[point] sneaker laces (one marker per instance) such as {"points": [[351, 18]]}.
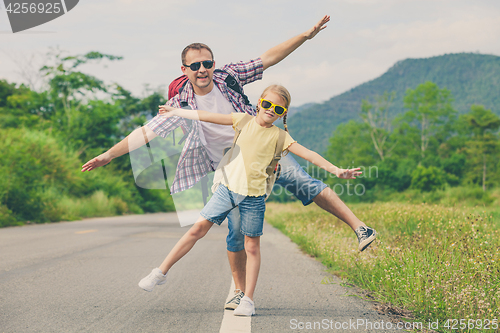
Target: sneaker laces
{"points": [[237, 294], [363, 232]]}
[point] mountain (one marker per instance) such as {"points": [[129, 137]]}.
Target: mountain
{"points": [[472, 79]]}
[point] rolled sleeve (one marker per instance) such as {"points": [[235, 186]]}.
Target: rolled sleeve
{"points": [[246, 72]]}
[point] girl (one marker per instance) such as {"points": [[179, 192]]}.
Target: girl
{"points": [[244, 186]]}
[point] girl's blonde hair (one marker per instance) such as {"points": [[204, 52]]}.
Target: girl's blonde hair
{"points": [[283, 93]]}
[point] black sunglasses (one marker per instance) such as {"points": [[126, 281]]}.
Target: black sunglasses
{"points": [[196, 65]]}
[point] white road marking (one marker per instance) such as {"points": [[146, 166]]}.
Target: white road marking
{"points": [[231, 323]]}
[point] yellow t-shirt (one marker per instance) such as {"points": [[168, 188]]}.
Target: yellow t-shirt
{"points": [[254, 150]]}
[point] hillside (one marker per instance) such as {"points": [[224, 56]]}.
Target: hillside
{"points": [[471, 78]]}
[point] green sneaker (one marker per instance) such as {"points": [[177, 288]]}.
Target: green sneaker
{"points": [[235, 301], [366, 236]]}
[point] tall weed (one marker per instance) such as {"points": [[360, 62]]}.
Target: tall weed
{"points": [[439, 262]]}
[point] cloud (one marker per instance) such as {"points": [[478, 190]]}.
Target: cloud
{"points": [[364, 38]]}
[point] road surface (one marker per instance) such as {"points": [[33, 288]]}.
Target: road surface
{"points": [[82, 277]]}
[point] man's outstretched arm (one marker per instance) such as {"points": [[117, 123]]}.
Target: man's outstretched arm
{"points": [[276, 54], [133, 141]]}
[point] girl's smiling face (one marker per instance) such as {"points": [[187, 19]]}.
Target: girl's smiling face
{"points": [[268, 117]]}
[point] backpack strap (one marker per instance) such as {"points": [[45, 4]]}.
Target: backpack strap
{"points": [[178, 85], [229, 151], [277, 156], [232, 84], [271, 169], [243, 122]]}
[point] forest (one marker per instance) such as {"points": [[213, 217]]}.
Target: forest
{"points": [[50, 132], [429, 153]]}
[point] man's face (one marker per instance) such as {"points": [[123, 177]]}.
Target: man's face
{"points": [[202, 78]]}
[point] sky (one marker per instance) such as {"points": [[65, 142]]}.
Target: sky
{"points": [[363, 39]]}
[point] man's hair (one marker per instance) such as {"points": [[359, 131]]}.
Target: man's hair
{"points": [[194, 46]]}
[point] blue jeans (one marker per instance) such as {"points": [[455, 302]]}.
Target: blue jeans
{"points": [[251, 210], [293, 179]]}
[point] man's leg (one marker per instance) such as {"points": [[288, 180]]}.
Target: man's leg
{"points": [[329, 201], [237, 258], [307, 189], [236, 249], [238, 262]]}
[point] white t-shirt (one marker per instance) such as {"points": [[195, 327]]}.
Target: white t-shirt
{"points": [[215, 137]]}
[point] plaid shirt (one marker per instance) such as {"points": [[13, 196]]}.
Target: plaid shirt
{"points": [[194, 162]]}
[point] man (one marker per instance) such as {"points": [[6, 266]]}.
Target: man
{"points": [[203, 147]]}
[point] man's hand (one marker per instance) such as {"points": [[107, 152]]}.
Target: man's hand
{"points": [[317, 28], [96, 162], [274, 55], [348, 173]]}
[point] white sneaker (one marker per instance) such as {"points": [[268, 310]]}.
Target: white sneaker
{"points": [[156, 277], [246, 307]]}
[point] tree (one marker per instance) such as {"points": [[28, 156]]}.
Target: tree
{"points": [[483, 147], [377, 118], [69, 86], [350, 146], [20, 106], [429, 109]]}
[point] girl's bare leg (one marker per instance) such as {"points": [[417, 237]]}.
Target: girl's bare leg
{"points": [[186, 243], [252, 248]]}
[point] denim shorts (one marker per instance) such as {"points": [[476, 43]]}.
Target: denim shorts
{"points": [[251, 210], [293, 179]]}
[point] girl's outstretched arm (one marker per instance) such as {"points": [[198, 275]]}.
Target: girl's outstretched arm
{"points": [[319, 161], [216, 118]]}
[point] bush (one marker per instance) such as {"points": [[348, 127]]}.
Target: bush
{"points": [[40, 181], [470, 196], [6, 217], [427, 179]]}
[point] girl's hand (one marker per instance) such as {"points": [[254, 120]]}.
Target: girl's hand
{"points": [[348, 173], [166, 111]]}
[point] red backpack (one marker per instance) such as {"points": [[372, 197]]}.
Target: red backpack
{"points": [[176, 86]]}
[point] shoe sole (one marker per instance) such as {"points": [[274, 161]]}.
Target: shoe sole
{"points": [[364, 244], [244, 315], [230, 306], [150, 290]]}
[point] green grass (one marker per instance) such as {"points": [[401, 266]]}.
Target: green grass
{"points": [[440, 262], [96, 205]]}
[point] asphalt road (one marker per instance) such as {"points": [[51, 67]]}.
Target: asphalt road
{"points": [[82, 277]]}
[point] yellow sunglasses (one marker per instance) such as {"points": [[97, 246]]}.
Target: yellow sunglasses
{"points": [[278, 109]]}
